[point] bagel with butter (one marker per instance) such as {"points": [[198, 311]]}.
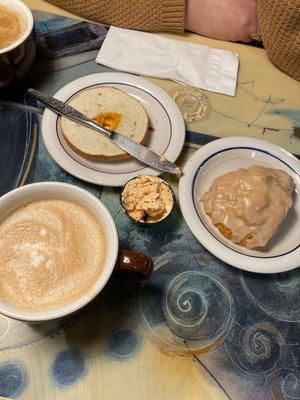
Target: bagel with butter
{"points": [[111, 108]]}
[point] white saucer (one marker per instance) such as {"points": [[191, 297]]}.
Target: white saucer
{"points": [[218, 158], [167, 138]]}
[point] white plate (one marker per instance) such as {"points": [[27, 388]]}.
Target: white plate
{"points": [[164, 117], [218, 158]]}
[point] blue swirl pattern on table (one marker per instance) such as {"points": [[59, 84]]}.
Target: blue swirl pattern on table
{"points": [[123, 343], [283, 383], [278, 295], [188, 311], [192, 304], [197, 307], [255, 349], [68, 367], [13, 378]]}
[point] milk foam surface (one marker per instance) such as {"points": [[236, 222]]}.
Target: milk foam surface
{"points": [[51, 253], [12, 26]]}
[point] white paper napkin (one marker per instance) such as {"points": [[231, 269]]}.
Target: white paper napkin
{"points": [[152, 55]]}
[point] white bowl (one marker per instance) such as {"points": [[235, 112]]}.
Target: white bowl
{"points": [[47, 190], [226, 155]]}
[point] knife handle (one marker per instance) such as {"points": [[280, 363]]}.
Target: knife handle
{"points": [[66, 110], [56, 105]]}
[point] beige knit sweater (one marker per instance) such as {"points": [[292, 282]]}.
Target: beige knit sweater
{"points": [[279, 22], [148, 15]]}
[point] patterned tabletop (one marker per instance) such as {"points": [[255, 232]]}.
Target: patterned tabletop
{"points": [[198, 329]]}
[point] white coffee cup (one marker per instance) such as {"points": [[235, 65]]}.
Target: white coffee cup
{"points": [[47, 190], [17, 58]]}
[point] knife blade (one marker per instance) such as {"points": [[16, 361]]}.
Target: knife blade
{"points": [[138, 151]]}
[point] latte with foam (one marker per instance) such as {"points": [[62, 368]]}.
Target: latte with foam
{"points": [[51, 254], [12, 26]]}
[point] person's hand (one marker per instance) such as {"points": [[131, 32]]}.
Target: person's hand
{"points": [[234, 20]]}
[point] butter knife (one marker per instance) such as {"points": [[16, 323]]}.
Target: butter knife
{"points": [[135, 149]]}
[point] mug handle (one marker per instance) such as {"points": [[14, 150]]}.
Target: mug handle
{"points": [[133, 261]]}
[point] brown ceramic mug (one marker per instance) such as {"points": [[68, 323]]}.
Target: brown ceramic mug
{"points": [[140, 264], [17, 58]]}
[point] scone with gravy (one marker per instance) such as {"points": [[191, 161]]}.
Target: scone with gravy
{"points": [[248, 205]]}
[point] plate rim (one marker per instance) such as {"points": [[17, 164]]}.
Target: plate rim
{"points": [[241, 261], [105, 178]]}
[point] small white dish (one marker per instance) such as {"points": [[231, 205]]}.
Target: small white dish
{"points": [[226, 155], [167, 137]]}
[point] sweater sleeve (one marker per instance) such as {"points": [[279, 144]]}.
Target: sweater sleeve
{"points": [[148, 15], [279, 24]]}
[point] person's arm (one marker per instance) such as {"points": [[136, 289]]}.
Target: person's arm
{"points": [[219, 19], [233, 20]]}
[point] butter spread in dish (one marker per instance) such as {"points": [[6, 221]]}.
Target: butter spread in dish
{"points": [[147, 199]]}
